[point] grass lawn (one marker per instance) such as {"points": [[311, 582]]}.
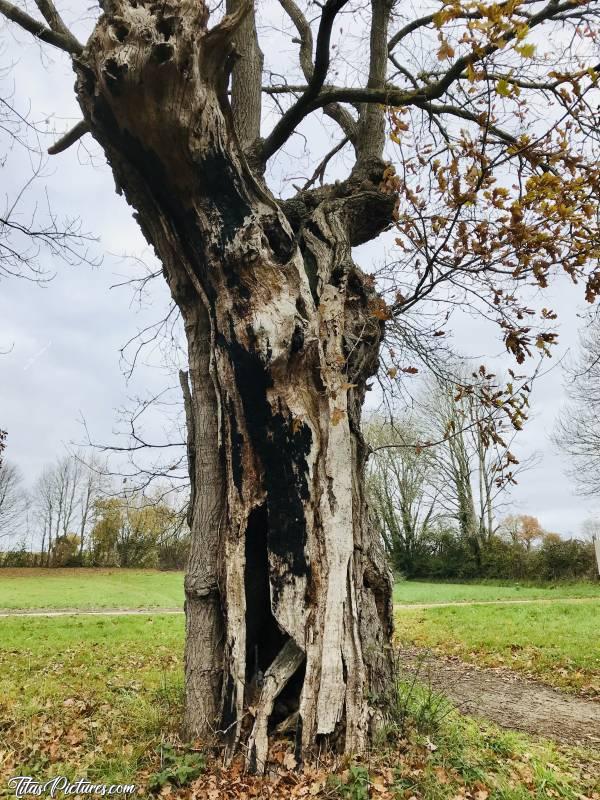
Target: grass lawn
{"points": [[88, 694], [423, 592], [137, 588], [559, 644], [90, 588], [97, 697]]}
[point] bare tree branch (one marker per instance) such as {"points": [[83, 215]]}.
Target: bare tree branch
{"points": [[72, 136], [54, 20], [319, 172], [287, 124], [67, 43], [334, 110]]}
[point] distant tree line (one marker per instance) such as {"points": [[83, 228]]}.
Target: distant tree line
{"points": [[74, 516], [438, 478], [445, 553], [437, 490]]}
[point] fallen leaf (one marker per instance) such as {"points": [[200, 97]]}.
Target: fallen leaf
{"points": [[289, 762]]}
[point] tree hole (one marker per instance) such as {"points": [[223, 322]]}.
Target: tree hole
{"points": [[166, 27], [120, 30], [264, 637], [162, 52]]}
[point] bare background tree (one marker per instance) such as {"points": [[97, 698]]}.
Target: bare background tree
{"points": [[578, 429], [446, 463], [474, 463], [401, 488], [13, 499], [63, 499]]}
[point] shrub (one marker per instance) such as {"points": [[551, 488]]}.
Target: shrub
{"points": [[560, 559]]}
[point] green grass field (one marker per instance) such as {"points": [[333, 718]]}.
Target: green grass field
{"points": [[99, 697], [423, 592], [88, 693], [136, 588], [559, 644], [90, 588], [102, 696], [544, 643]]}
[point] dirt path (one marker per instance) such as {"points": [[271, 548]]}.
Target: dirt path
{"points": [[507, 698], [94, 612], [542, 600]]}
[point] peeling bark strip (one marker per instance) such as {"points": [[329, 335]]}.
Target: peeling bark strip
{"points": [[288, 597]]}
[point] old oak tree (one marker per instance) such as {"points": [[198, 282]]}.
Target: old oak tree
{"points": [[288, 596]]}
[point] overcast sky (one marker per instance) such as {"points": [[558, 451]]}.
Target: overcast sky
{"points": [[63, 339]]}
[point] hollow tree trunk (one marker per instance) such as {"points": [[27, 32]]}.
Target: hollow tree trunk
{"points": [[288, 595]]}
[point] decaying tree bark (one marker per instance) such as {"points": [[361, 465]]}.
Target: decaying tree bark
{"points": [[287, 593], [288, 596]]}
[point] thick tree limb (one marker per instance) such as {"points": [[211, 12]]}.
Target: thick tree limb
{"points": [[285, 88], [372, 118], [388, 95], [305, 34], [67, 43], [69, 138], [246, 78]]}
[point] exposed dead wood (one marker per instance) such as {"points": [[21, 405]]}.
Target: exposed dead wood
{"points": [[69, 139], [282, 341], [285, 664]]}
